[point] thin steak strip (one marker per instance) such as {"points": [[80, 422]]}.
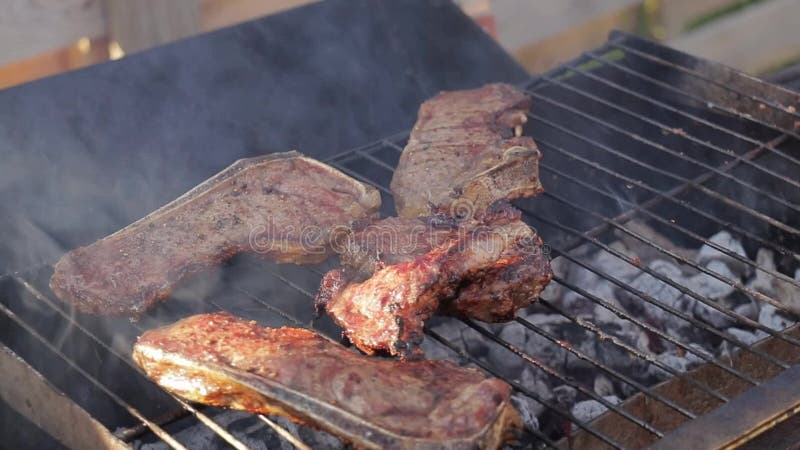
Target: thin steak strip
{"points": [[221, 360], [285, 207], [465, 152]]}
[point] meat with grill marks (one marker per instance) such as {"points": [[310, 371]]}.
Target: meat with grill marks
{"points": [[397, 272], [465, 152], [220, 360], [285, 207]]}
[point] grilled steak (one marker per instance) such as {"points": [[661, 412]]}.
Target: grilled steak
{"points": [[398, 272], [465, 152], [221, 360], [285, 207]]}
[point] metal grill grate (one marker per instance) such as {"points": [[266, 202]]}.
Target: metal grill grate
{"points": [[630, 131]]}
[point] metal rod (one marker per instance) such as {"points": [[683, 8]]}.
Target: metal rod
{"points": [[729, 110], [733, 283], [568, 380], [668, 107], [619, 343], [624, 314], [605, 368], [698, 101], [157, 430], [207, 421], [670, 224], [671, 198], [649, 299], [709, 192], [685, 135], [284, 433]]}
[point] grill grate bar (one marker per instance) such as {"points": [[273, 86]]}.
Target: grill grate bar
{"points": [[696, 74], [671, 198], [648, 357], [207, 421], [605, 368], [157, 430], [284, 433], [689, 137], [678, 286], [735, 284], [668, 223], [224, 434], [622, 313], [709, 192], [670, 108], [566, 379]]}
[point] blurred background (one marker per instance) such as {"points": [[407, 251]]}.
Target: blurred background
{"points": [[44, 37]]}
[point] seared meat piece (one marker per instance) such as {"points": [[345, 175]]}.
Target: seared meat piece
{"points": [[221, 360], [398, 272], [465, 152], [284, 207]]}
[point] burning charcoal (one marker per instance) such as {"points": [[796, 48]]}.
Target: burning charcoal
{"points": [[728, 242], [527, 408], [770, 317], [787, 293], [614, 266], [588, 347], [565, 395], [583, 279], [670, 359], [603, 386], [251, 431], [435, 350], [313, 438], [504, 360], [659, 290], [589, 409], [449, 329], [748, 337], [711, 316], [619, 358], [749, 310], [713, 288], [547, 352], [646, 252], [604, 315], [697, 349], [709, 286], [531, 379], [762, 282]]}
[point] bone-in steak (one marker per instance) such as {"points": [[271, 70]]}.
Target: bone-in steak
{"points": [[285, 207], [397, 272], [465, 152], [221, 360]]}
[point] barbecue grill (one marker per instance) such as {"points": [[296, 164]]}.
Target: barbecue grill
{"points": [[630, 132]]}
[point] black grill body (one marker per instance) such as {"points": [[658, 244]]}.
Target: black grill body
{"points": [[630, 131]]}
